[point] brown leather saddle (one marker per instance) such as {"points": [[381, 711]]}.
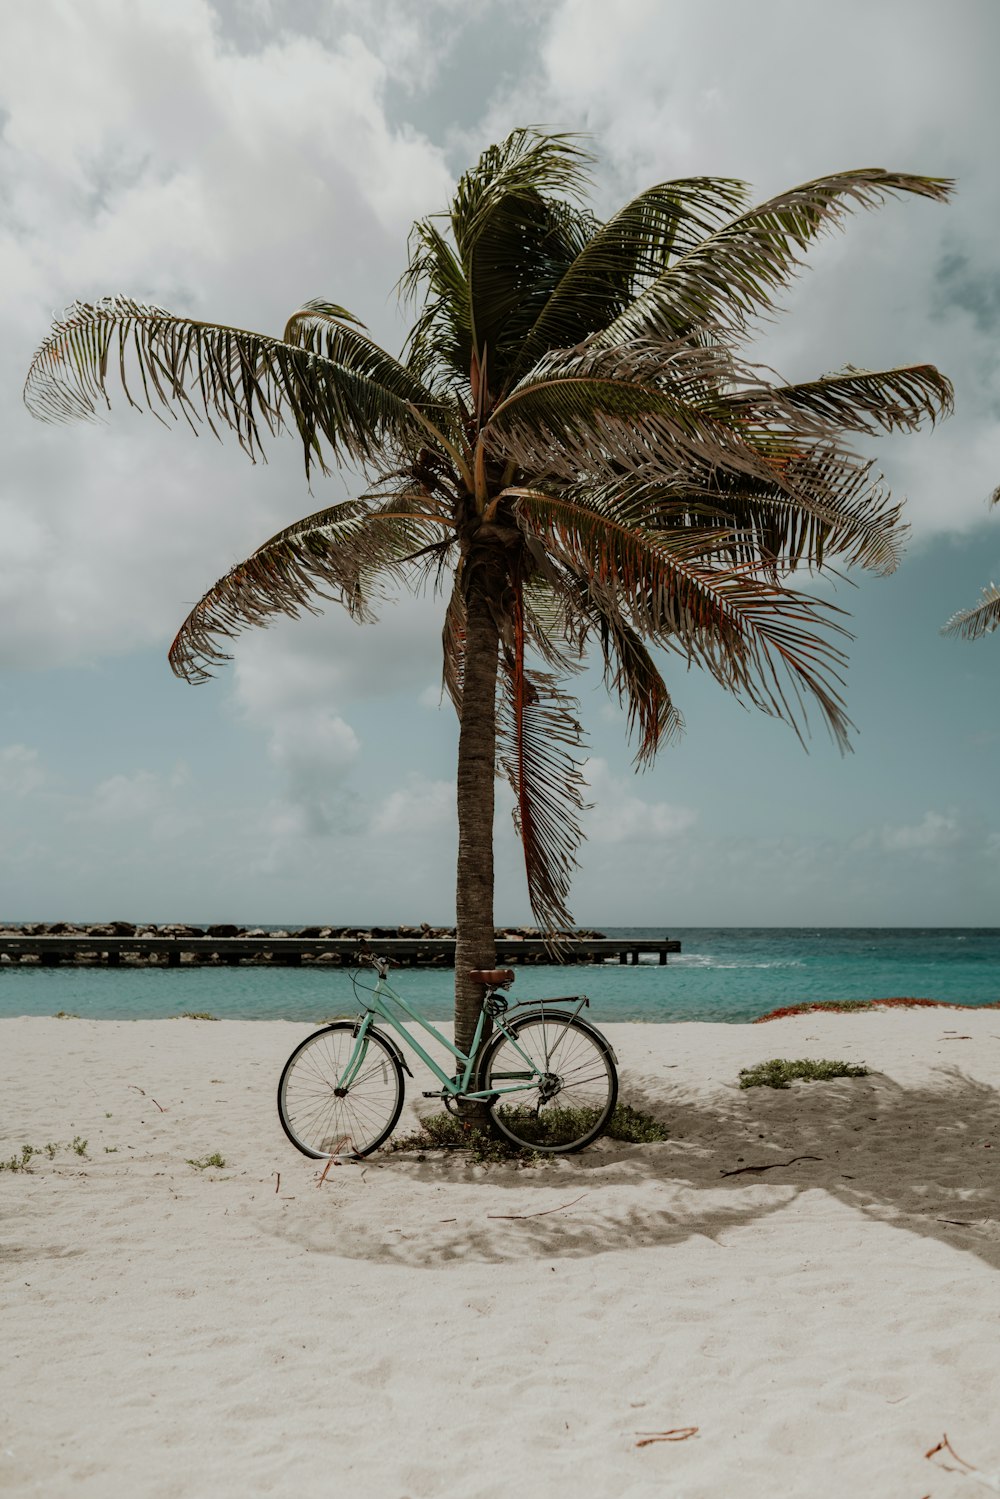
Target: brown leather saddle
{"points": [[493, 978]]}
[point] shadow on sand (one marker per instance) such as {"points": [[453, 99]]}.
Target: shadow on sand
{"points": [[923, 1160]]}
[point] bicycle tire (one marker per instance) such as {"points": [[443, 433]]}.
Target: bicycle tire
{"points": [[318, 1121], [572, 1105]]}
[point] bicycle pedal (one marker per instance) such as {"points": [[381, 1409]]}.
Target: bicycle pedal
{"points": [[432, 1095]]}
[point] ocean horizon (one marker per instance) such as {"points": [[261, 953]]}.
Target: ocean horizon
{"points": [[722, 974]]}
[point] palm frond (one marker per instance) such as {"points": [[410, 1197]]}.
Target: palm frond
{"points": [[826, 505], [453, 644], [246, 382], [757, 638], [731, 275], [650, 408], [439, 345], [982, 619], [528, 162], [538, 738], [631, 673], [335, 554], [510, 242], [864, 400], [622, 255]]}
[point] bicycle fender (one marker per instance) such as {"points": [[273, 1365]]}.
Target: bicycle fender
{"points": [[598, 1036], [393, 1046]]}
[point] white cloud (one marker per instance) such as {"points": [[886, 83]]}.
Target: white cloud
{"points": [[421, 807], [936, 830], [142, 802], [142, 153], [21, 771], [621, 816]]}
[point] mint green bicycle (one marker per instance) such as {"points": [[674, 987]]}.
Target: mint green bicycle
{"points": [[548, 1077]]}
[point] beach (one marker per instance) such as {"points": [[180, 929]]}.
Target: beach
{"points": [[800, 1286]]}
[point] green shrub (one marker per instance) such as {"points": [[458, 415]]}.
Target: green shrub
{"points": [[20, 1162], [446, 1132], [779, 1072]]}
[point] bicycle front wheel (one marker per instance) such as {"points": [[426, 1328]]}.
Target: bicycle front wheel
{"points": [[323, 1117], [555, 1081]]}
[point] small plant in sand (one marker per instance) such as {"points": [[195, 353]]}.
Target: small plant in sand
{"points": [[779, 1072], [20, 1162], [23, 1161], [194, 1015], [216, 1160]]}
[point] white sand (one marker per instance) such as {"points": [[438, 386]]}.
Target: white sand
{"points": [[174, 1332]]}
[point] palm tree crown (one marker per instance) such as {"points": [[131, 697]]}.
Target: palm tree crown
{"points": [[571, 441]]}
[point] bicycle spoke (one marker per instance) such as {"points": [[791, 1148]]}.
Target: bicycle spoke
{"points": [[319, 1113]]}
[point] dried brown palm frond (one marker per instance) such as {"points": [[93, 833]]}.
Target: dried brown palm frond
{"points": [[645, 409], [763, 642], [982, 619], [207, 372], [346, 553], [539, 739]]}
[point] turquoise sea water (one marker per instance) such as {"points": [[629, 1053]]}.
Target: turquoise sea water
{"points": [[722, 974]]}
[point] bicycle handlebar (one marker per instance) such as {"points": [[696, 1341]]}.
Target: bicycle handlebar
{"points": [[375, 960]]}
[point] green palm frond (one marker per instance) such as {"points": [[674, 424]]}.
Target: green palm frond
{"points": [[512, 241], [538, 740], [338, 554], [759, 639], [731, 275], [439, 345], [326, 329], [980, 620], [527, 163], [622, 255], [244, 381]]}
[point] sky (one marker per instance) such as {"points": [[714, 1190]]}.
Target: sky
{"points": [[229, 160]]}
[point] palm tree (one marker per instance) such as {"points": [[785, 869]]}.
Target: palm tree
{"points": [[570, 441], [983, 617]]}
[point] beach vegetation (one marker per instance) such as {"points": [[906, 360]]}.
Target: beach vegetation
{"points": [[450, 1132], [23, 1161], [194, 1015], [214, 1160], [65, 1015], [20, 1162], [779, 1072], [572, 446]]}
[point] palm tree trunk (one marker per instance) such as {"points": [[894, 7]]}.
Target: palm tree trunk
{"points": [[475, 945]]}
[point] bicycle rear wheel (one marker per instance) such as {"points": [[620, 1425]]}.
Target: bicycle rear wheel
{"points": [[563, 1071], [323, 1118]]}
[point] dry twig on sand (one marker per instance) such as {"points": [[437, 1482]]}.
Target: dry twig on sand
{"points": [[675, 1434], [544, 1211], [741, 1169]]}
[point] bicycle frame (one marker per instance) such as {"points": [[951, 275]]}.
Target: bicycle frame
{"points": [[457, 1086]]}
